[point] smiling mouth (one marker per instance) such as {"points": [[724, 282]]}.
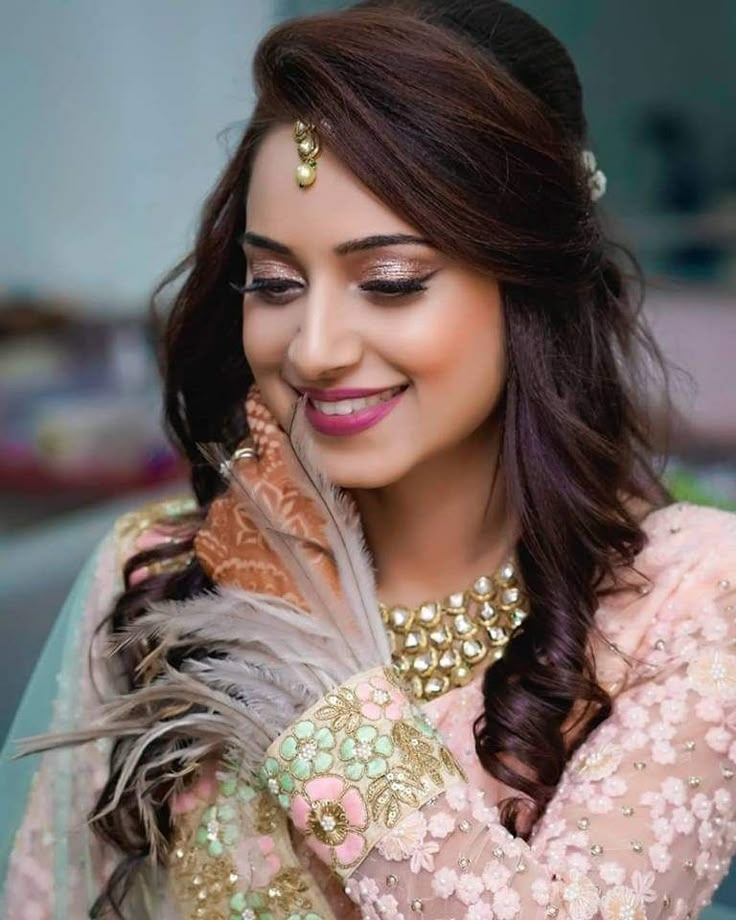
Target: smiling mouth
{"points": [[352, 406]]}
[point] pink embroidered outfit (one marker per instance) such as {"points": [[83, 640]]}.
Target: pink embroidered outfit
{"points": [[372, 805]]}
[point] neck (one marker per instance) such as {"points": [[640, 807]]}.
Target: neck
{"points": [[442, 525]]}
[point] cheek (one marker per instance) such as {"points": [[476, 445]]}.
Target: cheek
{"points": [[461, 353], [265, 338]]}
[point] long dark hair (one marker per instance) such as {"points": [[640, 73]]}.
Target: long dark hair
{"points": [[467, 119]]}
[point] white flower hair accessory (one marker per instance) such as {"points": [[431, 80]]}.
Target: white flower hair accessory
{"points": [[597, 181]]}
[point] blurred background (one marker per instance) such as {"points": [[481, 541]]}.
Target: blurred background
{"points": [[117, 119]]}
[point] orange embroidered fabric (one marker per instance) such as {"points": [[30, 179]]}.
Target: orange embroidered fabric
{"points": [[230, 547]]}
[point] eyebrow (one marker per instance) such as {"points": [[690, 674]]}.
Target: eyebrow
{"points": [[368, 242]]}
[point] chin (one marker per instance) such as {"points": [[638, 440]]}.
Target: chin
{"points": [[358, 473]]}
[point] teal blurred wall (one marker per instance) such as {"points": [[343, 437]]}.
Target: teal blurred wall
{"points": [[111, 114]]}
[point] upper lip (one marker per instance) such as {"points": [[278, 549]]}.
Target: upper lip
{"points": [[344, 393]]}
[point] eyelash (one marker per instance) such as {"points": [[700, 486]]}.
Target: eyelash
{"points": [[273, 288]]}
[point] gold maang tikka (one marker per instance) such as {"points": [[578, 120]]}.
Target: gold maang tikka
{"points": [[307, 144]]}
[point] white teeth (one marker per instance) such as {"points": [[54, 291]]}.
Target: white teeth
{"points": [[349, 406]]}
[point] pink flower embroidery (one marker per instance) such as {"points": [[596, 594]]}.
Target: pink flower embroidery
{"points": [[541, 891], [614, 785], [332, 816], [506, 904], [198, 794], [444, 882], [495, 875], [643, 886], [423, 856], [673, 789], [633, 716], [663, 752], [456, 796], [659, 857], [709, 709], [380, 699], [441, 824], [403, 840], [469, 888], [723, 799], [581, 898], [369, 890], [388, 908], [683, 820], [663, 832], [662, 731], [258, 855], [578, 863], [673, 710], [612, 873], [701, 806], [622, 903], [718, 739], [713, 673]]}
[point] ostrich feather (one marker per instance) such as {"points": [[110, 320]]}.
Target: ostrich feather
{"points": [[346, 539], [256, 627], [228, 671]]}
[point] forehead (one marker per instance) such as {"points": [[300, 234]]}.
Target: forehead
{"points": [[337, 207]]}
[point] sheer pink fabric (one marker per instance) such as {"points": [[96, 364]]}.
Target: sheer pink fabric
{"points": [[642, 825]]}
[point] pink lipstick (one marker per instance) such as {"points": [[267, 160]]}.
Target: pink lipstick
{"points": [[337, 425]]}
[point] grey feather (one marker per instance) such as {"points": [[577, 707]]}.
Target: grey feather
{"points": [[346, 539], [247, 664]]}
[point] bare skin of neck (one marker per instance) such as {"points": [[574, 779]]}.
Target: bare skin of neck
{"points": [[441, 526]]}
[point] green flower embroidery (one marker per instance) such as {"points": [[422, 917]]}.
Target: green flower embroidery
{"points": [[217, 829], [424, 726], [230, 785], [251, 906], [365, 753], [303, 917], [305, 749], [278, 783]]}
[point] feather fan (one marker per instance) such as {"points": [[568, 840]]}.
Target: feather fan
{"points": [[247, 664]]}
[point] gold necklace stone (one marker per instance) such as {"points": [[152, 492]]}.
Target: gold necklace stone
{"points": [[439, 645]]}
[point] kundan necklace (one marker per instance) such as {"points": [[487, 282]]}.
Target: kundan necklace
{"points": [[439, 645]]}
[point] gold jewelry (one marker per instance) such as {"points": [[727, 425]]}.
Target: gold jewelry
{"points": [[307, 145], [437, 646]]}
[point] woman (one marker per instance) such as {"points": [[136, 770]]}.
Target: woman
{"points": [[433, 639]]}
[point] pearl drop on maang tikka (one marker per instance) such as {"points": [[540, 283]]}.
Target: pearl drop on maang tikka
{"points": [[307, 145]]}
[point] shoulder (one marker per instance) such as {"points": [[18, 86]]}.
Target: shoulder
{"points": [[691, 562], [682, 594], [694, 538], [689, 518]]}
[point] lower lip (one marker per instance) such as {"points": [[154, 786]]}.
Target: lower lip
{"points": [[353, 423]]}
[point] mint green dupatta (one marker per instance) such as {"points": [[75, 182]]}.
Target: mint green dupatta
{"points": [[51, 863], [44, 825]]}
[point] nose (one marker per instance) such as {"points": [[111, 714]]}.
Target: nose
{"points": [[326, 343]]}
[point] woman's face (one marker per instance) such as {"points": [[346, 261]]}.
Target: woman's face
{"points": [[340, 306]]}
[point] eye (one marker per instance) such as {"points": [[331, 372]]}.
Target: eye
{"points": [[398, 287], [270, 290]]}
